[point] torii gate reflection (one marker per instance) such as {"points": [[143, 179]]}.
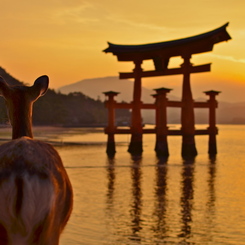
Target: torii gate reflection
{"points": [[158, 219]]}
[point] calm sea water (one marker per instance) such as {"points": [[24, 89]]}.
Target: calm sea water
{"points": [[145, 200]]}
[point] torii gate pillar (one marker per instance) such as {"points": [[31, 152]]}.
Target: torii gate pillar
{"points": [[161, 147], [187, 113], [135, 146], [213, 130], [110, 104]]}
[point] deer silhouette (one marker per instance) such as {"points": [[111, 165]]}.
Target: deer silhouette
{"points": [[36, 196]]}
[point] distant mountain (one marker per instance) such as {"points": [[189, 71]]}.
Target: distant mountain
{"points": [[229, 113], [59, 105], [95, 87]]}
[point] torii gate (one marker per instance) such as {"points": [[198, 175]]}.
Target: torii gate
{"points": [[161, 53]]}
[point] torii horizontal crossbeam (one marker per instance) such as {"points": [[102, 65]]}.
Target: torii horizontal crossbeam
{"points": [[167, 72]]}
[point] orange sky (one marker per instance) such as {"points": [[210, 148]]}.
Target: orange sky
{"points": [[65, 39]]}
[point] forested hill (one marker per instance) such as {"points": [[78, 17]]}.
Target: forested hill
{"points": [[8, 78], [74, 109]]}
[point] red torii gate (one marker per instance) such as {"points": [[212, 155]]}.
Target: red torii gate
{"points": [[161, 53]]}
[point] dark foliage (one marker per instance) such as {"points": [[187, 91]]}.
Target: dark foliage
{"points": [[74, 109]]}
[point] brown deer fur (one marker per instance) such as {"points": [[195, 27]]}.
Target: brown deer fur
{"points": [[35, 192]]}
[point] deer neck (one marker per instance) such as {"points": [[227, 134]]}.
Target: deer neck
{"points": [[22, 123]]}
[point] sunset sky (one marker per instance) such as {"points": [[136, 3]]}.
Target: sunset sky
{"points": [[65, 38]]}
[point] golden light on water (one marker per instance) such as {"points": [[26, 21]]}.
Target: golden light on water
{"points": [[146, 200]]}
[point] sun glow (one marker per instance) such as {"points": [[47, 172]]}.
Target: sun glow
{"points": [[66, 39]]}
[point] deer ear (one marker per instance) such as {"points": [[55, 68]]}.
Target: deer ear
{"points": [[41, 85], [3, 87]]}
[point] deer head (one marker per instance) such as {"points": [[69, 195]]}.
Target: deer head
{"points": [[19, 101]]}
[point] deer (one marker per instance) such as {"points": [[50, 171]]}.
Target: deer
{"points": [[36, 196]]}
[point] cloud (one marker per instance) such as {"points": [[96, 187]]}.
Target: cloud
{"points": [[229, 58], [83, 13], [139, 25], [136, 23]]}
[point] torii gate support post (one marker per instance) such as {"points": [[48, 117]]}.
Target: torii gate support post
{"points": [[212, 129], [187, 113], [135, 146], [110, 129], [161, 147]]}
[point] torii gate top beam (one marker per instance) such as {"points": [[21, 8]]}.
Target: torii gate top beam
{"points": [[161, 52]]}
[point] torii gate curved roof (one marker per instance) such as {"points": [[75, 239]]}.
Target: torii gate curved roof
{"points": [[181, 47]]}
